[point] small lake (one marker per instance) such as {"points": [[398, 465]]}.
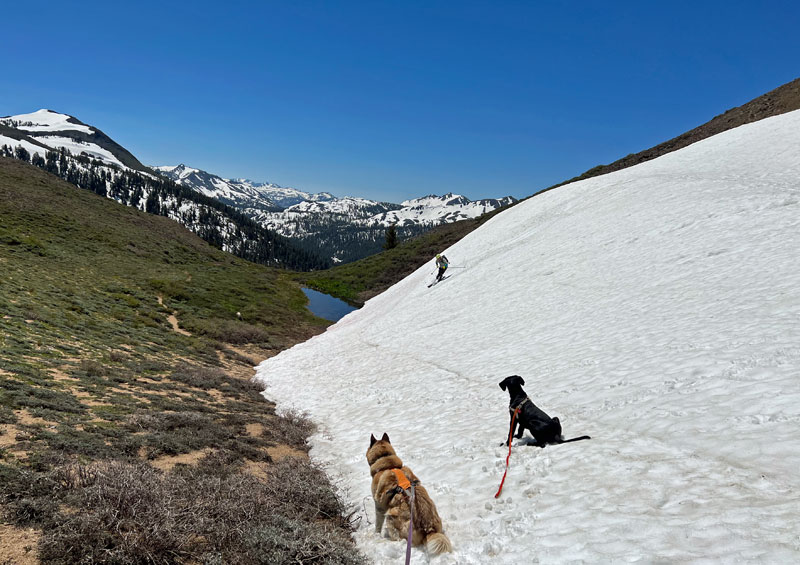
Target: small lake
{"points": [[326, 306]]}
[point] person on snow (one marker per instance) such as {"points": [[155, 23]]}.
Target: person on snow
{"points": [[442, 263]]}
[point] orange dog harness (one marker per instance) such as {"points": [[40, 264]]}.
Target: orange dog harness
{"points": [[402, 481]]}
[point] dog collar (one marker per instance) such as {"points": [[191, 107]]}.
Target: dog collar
{"points": [[519, 406]]}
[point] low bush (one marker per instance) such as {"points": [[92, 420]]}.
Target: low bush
{"points": [[131, 513], [200, 377], [291, 428], [228, 331]]}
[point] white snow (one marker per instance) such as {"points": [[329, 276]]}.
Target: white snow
{"points": [[29, 147], [46, 120], [656, 309], [77, 147]]}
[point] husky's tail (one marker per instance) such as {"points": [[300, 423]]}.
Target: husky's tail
{"points": [[437, 543]]}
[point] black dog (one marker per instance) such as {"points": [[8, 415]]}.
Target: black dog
{"points": [[542, 427]]}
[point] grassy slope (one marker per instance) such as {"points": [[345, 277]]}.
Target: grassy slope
{"points": [[98, 392]]}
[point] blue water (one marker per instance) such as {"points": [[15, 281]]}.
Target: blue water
{"points": [[326, 306]]}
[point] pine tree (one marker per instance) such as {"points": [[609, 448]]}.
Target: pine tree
{"points": [[391, 238]]}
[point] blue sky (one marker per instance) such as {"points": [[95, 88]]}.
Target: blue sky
{"points": [[393, 100]]}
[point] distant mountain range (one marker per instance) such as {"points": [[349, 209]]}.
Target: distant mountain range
{"points": [[242, 193], [338, 229], [345, 228]]}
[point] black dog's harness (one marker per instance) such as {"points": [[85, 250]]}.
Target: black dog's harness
{"points": [[519, 406]]}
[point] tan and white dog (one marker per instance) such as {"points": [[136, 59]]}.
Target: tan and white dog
{"points": [[391, 503]]}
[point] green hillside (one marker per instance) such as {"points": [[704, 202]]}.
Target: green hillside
{"points": [[129, 429]]}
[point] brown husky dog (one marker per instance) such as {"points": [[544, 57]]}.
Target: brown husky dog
{"points": [[392, 503]]}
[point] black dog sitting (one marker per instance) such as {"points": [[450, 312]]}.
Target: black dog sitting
{"points": [[542, 427]]}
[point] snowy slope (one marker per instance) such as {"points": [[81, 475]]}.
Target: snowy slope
{"points": [[656, 309], [57, 131], [45, 121], [29, 147]]}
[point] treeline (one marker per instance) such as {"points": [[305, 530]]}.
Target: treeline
{"points": [[350, 243], [219, 224]]}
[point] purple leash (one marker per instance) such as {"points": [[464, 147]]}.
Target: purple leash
{"points": [[410, 523]]}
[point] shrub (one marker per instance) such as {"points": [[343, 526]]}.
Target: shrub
{"points": [[229, 331], [92, 368], [131, 513], [200, 377], [291, 428]]}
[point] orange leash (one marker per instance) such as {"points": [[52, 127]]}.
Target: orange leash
{"points": [[510, 433]]}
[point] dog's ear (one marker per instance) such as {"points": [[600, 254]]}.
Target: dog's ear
{"points": [[503, 384], [372, 440], [385, 438], [518, 379]]}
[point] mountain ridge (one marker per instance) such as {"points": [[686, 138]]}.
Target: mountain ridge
{"points": [[348, 228], [780, 100]]}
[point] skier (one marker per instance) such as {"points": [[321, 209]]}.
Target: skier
{"points": [[442, 263]]}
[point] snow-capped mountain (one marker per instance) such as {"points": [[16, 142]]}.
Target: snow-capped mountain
{"points": [[240, 193], [47, 130], [656, 308], [346, 228], [445, 209], [87, 158]]}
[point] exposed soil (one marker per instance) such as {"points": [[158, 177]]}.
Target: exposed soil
{"points": [[167, 462], [18, 545]]}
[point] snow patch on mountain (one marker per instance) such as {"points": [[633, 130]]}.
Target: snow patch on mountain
{"points": [[77, 147], [27, 145], [45, 120], [655, 309]]}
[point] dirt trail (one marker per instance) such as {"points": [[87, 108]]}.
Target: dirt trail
{"points": [[173, 321]]}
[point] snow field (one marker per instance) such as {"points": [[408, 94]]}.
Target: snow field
{"points": [[47, 120], [77, 147], [27, 145], [656, 309]]}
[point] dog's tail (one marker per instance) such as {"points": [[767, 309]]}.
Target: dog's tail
{"points": [[437, 543], [574, 439]]}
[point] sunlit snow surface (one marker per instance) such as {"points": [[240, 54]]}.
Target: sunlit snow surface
{"points": [[656, 309], [29, 147], [77, 147], [47, 120]]}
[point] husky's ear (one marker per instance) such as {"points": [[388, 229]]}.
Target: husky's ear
{"points": [[504, 383], [521, 380], [372, 440], [385, 438]]}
